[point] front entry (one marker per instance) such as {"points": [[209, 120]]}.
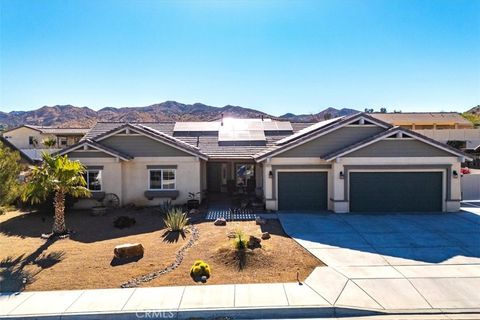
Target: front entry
{"points": [[302, 191], [214, 177]]}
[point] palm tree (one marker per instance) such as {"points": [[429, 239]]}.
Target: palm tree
{"points": [[61, 176]]}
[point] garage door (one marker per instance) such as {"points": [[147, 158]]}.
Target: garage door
{"points": [[302, 191], [395, 191]]}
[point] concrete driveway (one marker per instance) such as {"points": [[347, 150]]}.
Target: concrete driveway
{"points": [[396, 261]]}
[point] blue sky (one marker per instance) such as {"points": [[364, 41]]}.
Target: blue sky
{"points": [[277, 56]]}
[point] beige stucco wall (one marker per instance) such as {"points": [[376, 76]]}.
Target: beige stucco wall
{"points": [[336, 194], [20, 136], [135, 178], [129, 179], [111, 178]]}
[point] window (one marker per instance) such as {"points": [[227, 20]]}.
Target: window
{"points": [[162, 179], [32, 141], [62, 141], [94, 180], [245, 174]]}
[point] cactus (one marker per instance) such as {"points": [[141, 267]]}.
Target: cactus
{"points": [[199, 270]]}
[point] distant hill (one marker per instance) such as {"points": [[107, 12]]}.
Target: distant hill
{"points": [[322, 115], [473, 115], [71, 116]]}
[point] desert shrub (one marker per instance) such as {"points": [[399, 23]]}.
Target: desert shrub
{"points": [[240, 241], [124, 222], [200, 269], [176, 220], [10, 169]]}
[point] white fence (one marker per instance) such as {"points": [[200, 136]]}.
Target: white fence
{"points": [[470, 187]]}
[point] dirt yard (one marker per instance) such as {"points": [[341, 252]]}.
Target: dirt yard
{"points": [[85, 261]]}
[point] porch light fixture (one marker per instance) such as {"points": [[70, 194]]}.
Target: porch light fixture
{"points": [[342, 176], [270, 174], [455, 174]]}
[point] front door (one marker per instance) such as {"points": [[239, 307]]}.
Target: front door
{"points": [[214, 177]]}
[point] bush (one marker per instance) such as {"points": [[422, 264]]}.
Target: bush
{"points": [[124, 222], [240, 241], [176, 220], [200, 269], [10, 168]]}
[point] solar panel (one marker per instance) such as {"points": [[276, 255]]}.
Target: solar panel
{"points": [[241, 135], [277, 126], [196, 126]]}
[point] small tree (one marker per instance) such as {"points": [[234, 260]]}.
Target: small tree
{"points": [[61, 176], [49, 142], [10, 168]]}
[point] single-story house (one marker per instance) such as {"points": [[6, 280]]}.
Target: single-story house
{"points": [[347, 164]]}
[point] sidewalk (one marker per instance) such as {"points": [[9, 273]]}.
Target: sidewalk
{"points": [[325, 293]]}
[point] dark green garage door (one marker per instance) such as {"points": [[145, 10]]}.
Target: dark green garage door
{"points": [[302, 191], [395, 191]]}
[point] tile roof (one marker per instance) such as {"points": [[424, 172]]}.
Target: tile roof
{"points": [[207, 144], [422, 118], [55, 130]]}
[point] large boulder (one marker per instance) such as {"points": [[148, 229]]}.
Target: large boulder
{"points": [[220, 222], [265, 235], [254, 242], [128, 250], [260, 221]]}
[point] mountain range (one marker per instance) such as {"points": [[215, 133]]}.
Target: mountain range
{"points": [[72, 116]]}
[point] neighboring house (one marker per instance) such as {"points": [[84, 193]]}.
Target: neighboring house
{"points": [[446, 127], [29, 139], [347, 164], [425, 120]]}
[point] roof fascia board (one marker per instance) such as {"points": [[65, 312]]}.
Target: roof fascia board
{"points": [[91, 145], [23, 126]]}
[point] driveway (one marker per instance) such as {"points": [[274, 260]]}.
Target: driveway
{"points": [[397, 261]]}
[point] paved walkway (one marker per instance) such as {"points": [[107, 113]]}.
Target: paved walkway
{"points": [[393, 261]]}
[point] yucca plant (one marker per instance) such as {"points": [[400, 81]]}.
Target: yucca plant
{"points": [[176, 220], [240, 241]]}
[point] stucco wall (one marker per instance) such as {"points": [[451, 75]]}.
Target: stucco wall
{"points": [[129, 179], [20, 136], [135, 178], [111, 178]]}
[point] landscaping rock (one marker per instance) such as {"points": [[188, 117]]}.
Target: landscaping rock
{"points": [[265, 235], [194, 212], [254, 242], [124, 222], [260, 221], [220, 222], [128, 250]]}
